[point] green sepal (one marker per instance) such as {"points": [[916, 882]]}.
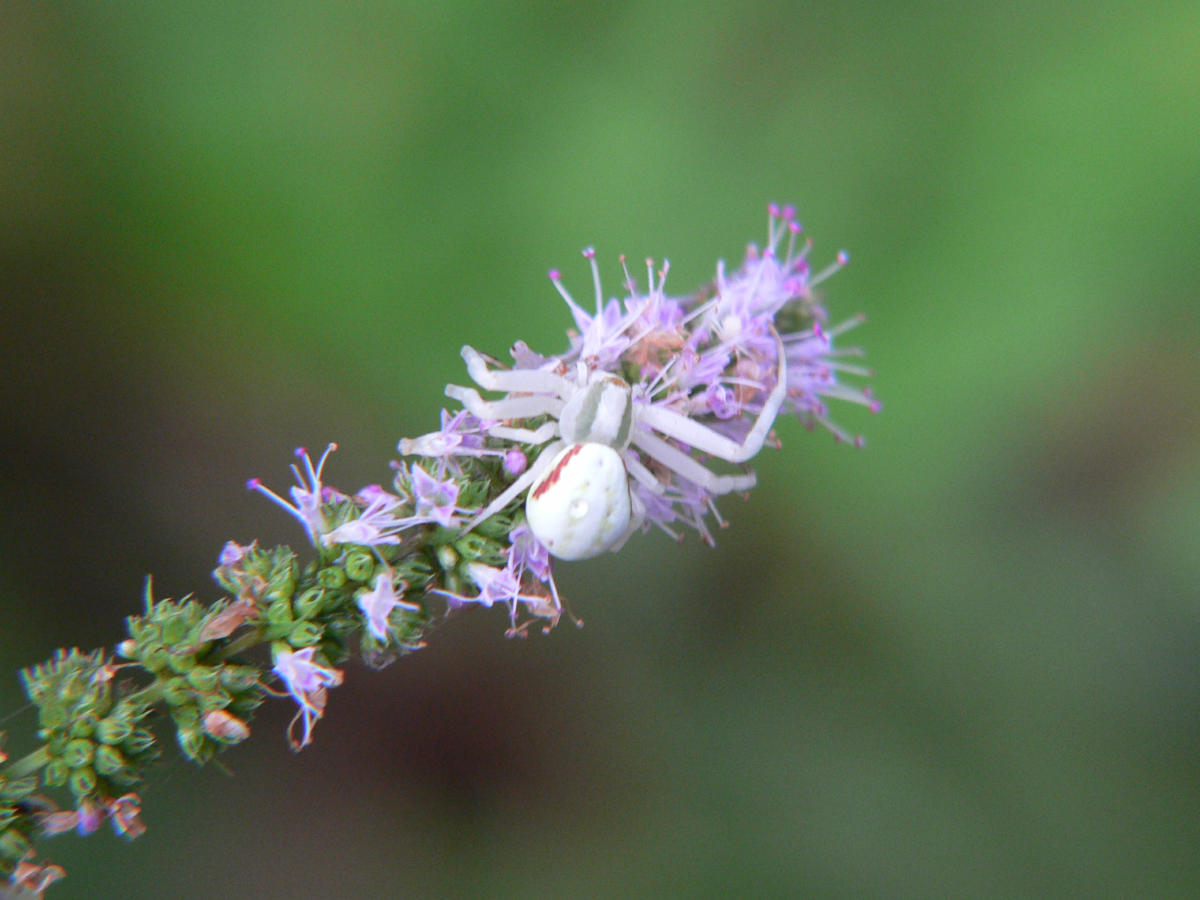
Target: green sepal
{"points": [[83, 781], [203, 678], [332, 578], [113, 730], [110, 762], [305, 634], [217, 699], [176, 692], [238, 678], [52, 715], [359, 565], [195, 744], [174, 629], [474, 547], [56, 773], [139, 743], [14, 845], [309, 603], [79, 752], [155, 657], [18, 789]]}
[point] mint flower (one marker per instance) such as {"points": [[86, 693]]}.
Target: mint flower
{"points": [[377, 604], [308, 495], [434, 499], [306, 681]]}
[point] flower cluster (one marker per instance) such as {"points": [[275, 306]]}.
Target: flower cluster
{"points": [[646, 419], [628, 428]]}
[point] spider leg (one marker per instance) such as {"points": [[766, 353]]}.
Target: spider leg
{"points": [[506, 407], [524, 435], [511, 380], [515, 489], [703, 438], [644, 476], [678, 461]]}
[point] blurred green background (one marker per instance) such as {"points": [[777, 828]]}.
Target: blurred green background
{"points": [[964, 661]]}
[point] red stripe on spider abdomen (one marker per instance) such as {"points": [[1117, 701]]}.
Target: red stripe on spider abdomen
{"points": [[550, 479]]}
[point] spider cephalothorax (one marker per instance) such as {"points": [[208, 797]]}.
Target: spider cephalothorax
{"points": [[599, 428]]}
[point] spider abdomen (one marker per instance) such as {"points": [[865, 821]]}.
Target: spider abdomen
{"points": [[580, 507]]}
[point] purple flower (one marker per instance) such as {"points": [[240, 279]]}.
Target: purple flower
{"points": [[461, 434], [601, 338], [307, 496], [378, 603], [527, 553], [375, 525], [231, 554], [306, 681], [434, 499], [515, 461]]}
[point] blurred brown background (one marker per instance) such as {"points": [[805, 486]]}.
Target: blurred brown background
{"points": [[962, 662]]}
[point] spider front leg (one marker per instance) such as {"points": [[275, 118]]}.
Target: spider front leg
{"points": [[505, 408], [703, 438], [525, 435], [511, 381], [518, 487]]}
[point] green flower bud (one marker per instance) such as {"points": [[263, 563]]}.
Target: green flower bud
{"points": [[139, 743], [82, 781], [498, 526], [143, 631], [79, 752], [155, 657], [414, 569], [186, 716], [282, 581], [309, 603], [194, 744], [174, 629], [244, 704], [238, 678], [447, 557], [213, 700], [181, 662], [360, 565], [203, 678], [109, 760], [305, 634], [56, 773], [83, 727], [71, 691], [52, 715], [17, 789], [113, 730], [176, 692], [280, 612], [331, 577], [14, 845], [477, 548], [56, 744]]}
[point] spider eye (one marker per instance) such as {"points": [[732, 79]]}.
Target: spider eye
{"points": [[580, 507]]}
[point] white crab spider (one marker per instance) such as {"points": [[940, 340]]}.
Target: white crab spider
{"points": [[579, 502]]}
